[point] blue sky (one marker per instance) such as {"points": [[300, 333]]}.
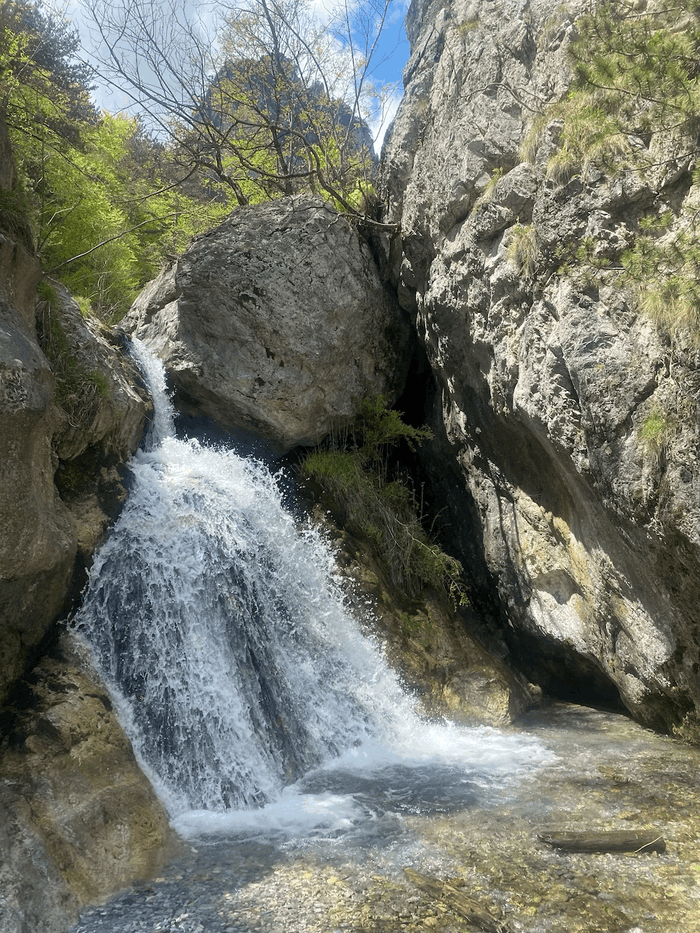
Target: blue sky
{"points": [[390, 58], [392, 54]]}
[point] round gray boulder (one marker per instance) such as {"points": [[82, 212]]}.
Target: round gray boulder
{"points": [[277, 322]]}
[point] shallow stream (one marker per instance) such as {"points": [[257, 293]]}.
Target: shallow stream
{"points": [[608, 773]]}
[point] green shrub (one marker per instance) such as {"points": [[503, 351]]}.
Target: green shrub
{"points": [[385, 512], [523, 249], [656, 431], [15, 209], [634, 106], [664, 271], [688, 730]]}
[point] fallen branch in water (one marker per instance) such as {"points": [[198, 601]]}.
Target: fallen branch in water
{"points": [[460, 903], [610, 841]]}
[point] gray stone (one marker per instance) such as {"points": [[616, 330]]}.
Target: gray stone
{"points": [[78, 818], [277, 322], [38, 541]]}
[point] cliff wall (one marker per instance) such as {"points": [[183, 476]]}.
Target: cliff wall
{"points": [[78, 819], [547, 375]]}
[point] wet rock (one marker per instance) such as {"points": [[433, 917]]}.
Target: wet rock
{"points": [[80, 820], [605, 771], [101, 409], [430, 640], [277, 322], [68, 421]]}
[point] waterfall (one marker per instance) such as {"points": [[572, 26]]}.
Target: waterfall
{"points": [[235, 663]]}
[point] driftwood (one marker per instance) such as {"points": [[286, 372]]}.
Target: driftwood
{"points": [[612, 841], [457, 901]]}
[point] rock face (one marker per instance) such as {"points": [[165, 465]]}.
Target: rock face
{"points": [[38, 541], [102, 409], [427, 640], [277, 322], [75, 418], [68, 401], [546, 379], [78, 819]]}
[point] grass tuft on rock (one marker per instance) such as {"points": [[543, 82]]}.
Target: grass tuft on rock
{"points": [[381, 510]]}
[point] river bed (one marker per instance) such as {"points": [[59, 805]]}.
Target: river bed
{"points": [[605, 773]]}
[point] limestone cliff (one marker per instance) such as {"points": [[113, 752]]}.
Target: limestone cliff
{"points": [[71, 412], [546, 377]]}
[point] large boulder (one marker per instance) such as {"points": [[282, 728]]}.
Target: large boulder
{"points": [[277, 322], [566, 423], [69, 418]]}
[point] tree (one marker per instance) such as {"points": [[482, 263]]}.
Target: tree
{"points": [[112, 211], [105, 201], [265, 98], [38, 64]]}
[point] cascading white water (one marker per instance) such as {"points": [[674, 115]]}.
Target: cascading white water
{"points": [[236, 666]]}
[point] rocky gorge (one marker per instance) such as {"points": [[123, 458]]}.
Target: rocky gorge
{"points": [[577, 528]]}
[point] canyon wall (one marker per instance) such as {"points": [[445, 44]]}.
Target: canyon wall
{"points": [[78, 819], [547, 376]]}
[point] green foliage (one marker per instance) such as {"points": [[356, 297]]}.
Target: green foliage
{"points": [[276, 102], [656, 431], [688, 730], [14, 211], [589, 136], [104, 202], [635, 103], [665, 271], [46, 292], [641, 67], [381, 427], [385, 512], [489, 188], [467, 26]]}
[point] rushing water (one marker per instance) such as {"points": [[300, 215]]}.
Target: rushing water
{"points": [[243, 679]]}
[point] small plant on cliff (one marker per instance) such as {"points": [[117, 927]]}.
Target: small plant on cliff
{"points": [[656, 431], [523, 248], [634, 106], [688, 730], [385, 512], [664, 269], [467, 26], [14, 212]]}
